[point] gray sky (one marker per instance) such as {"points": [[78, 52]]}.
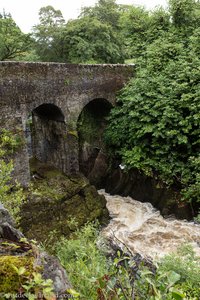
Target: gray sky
{"points": [[25, 12]]}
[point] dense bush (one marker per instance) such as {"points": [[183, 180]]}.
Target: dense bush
{"points": [[156, 125]]}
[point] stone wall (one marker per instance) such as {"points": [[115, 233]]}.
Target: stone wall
{"points": [[70, 87]]}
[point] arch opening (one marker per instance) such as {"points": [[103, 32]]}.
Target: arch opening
{"points": [[49, 112], [92, 153], [47, 138]]}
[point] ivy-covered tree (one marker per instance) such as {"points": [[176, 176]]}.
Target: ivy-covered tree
{"points": [[141, 27], [134, 24], [13, 42], [185, 13]]}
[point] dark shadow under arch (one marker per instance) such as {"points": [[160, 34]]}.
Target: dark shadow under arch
{"points": [[91, 125], [48, 135], [49, 112]]}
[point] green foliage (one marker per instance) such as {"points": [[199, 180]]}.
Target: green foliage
{"points": [[187, 264], [11, 194], [13, 43], [107, 12], [12, 269], [129, 280], [104, 33], [135, 23], [141, 27], [9, 142], [92, 38], [83, 261], [95, 276], [156, 126], [88, 39], [47, 34], [31, 284], [31, 56], [36, 286], [176, 277], [157, 286], [185, 14]]}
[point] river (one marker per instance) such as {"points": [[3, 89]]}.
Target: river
{"points": [[143, 230]]}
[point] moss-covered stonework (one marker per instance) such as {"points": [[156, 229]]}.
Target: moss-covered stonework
{"points": [[13, 256], [54, 199]]}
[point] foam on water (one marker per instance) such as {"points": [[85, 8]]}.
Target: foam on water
{"points": [[143, 230]]}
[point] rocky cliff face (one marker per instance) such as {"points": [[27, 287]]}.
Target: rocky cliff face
{"points": [[147, 189]]}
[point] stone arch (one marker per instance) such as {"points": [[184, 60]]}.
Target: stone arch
{"points": [[90, 127], [48, 135]]}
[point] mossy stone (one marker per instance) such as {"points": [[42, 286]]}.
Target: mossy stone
{"points": [[10, 281], [55, 199]]}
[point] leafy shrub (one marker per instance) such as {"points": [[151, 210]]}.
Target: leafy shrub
{"points": [[186, 263], [156, 125], [83, 261], [11, 194]]}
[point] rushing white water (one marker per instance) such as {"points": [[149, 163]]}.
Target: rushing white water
{"points": [[143, 230]]}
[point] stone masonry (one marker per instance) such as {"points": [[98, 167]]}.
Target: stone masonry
{"points": [[53, 95]]}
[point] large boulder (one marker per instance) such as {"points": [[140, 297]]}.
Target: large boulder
{"points": [[57, 204]]}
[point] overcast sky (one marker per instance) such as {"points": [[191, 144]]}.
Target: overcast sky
{"points": [[25, 12]]}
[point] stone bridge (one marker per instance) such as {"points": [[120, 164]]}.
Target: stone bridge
{"points": [[47, 99]]}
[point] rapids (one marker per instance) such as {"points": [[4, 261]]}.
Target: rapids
{"points": [[143, 230]]}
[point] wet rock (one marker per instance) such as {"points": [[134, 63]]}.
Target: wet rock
{"points": [[5, 216], [54, 271], [9, 232], [147, 189]]}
